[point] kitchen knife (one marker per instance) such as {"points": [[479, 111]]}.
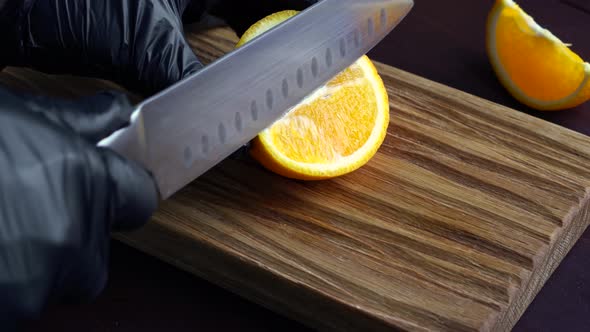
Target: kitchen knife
{"points": [[186, 129]]}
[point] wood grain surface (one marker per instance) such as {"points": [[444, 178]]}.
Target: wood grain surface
{"points": [[454, 225]]}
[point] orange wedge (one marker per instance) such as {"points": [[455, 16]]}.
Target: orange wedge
{"points": [[535, 66], [334, 131]]}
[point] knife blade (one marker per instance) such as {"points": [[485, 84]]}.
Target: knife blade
{"points": [[181, 132]]}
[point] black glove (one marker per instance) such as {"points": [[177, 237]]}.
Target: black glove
{"points": [[60, 198], [139, 44]]}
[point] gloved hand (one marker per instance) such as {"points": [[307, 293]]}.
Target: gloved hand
{"points": [[60, 199], [139, 44]]}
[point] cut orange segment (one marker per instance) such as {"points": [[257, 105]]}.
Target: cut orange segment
{"points": [[334, 131], [536, 67]]}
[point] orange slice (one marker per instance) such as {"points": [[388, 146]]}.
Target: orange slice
{"points": [[334, 131], [536, 67]]}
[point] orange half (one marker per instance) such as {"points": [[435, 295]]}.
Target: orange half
{"points": [[335, 130]]}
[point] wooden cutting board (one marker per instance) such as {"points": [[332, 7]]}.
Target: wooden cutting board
{"points": [[454, 225]]}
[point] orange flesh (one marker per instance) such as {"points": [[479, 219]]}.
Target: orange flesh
{"points": [[534, 64], [320, 132]]}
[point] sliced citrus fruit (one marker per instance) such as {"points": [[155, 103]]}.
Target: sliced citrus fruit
{"points": [[536, 67], [334, 131]]}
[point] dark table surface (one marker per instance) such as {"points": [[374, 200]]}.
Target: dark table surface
{"points": [[440, 40]]}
